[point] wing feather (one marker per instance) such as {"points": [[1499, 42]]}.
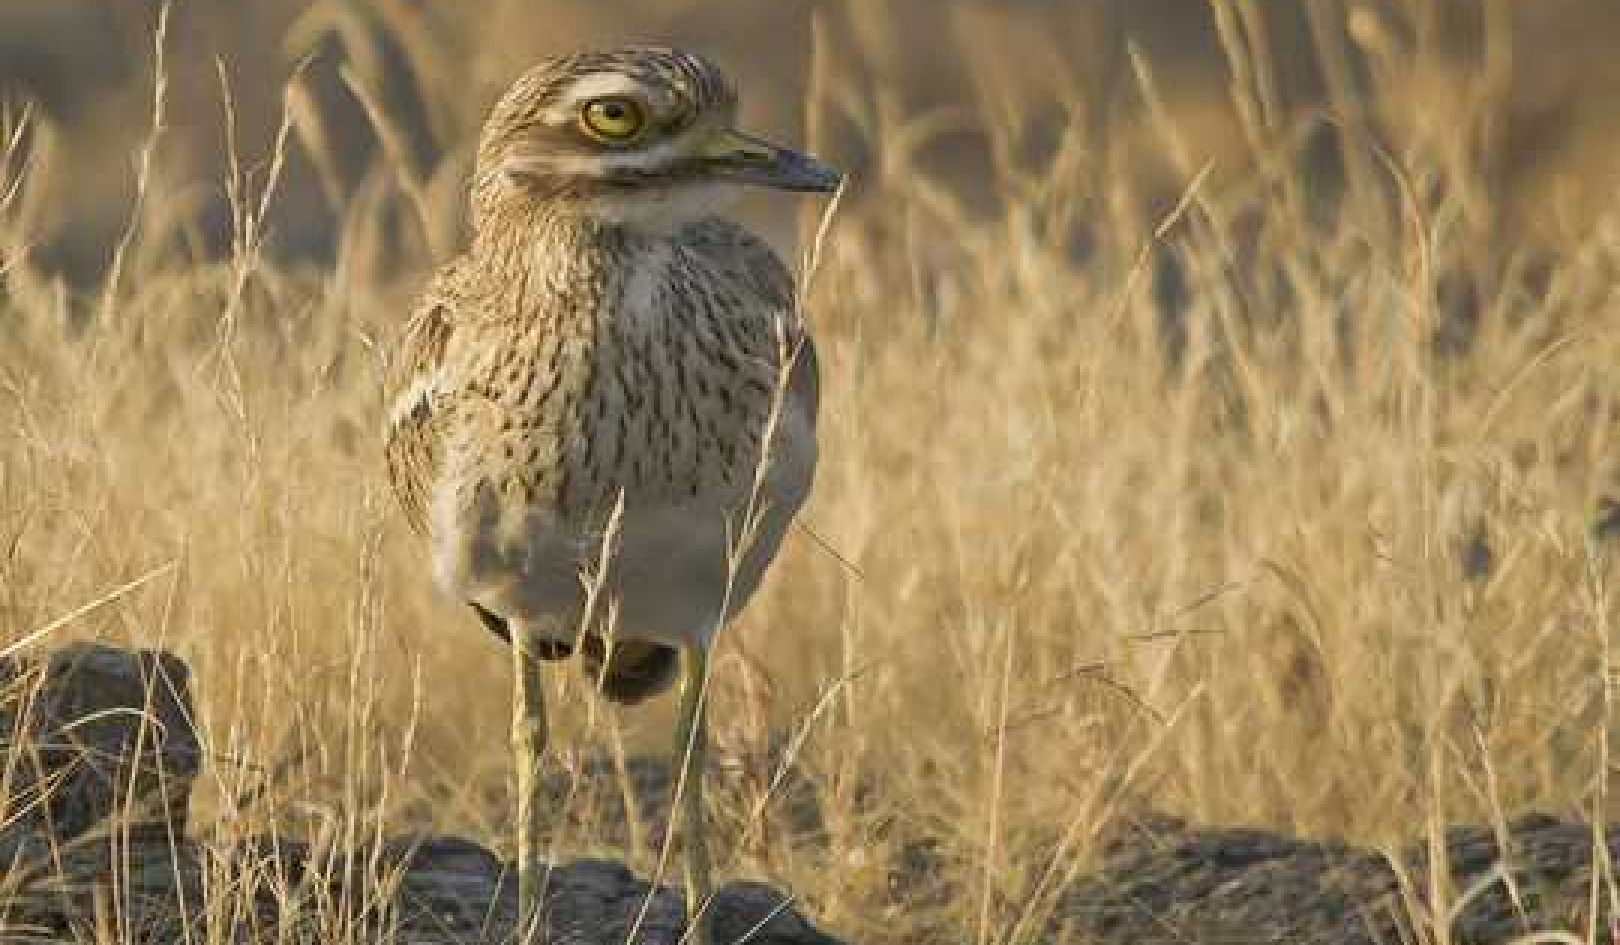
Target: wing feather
{"points": [[750, 261], [414, 392]]}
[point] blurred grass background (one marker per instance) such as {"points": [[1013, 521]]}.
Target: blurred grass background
{"points": [[1221, 410], [946, 80]]}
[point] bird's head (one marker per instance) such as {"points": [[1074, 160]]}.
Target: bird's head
{"points": [[640, 135]]}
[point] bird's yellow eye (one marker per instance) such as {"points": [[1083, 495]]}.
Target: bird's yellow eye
{"points": [[617, 119]]}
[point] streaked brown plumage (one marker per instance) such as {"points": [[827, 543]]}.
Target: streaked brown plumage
{"points": [[608, 339], [560, 405]]}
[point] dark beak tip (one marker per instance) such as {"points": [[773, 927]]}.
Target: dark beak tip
{"points": [[780, 168], [827, 185], [821, 178]]}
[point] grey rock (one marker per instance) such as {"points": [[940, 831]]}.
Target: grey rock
{"points": [[101, 756], [446, 889], [101, 737], [100, 759], [1168, 883]]}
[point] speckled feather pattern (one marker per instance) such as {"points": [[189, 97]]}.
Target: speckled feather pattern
{"points": [[565, 361], [562, 395]]}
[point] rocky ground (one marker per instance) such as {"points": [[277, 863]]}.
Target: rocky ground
{"points": [[94, 845], [1164, 882]]}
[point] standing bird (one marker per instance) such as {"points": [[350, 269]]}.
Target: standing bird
{"points": [[613, 374]]}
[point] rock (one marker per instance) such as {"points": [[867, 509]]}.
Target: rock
{"points": [[101, 760], [98, 737], [1168, 883], [91, 727], [99, 768], [443, 889], [149, 888]]}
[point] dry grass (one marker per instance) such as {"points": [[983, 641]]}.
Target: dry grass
{"points": [[1316, 550]]}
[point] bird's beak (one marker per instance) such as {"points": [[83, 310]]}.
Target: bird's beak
{"points": [[746, 159]]}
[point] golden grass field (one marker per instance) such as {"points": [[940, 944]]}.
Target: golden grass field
{"points": [[1161, 468]]}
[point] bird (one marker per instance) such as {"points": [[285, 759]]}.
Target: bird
{"points": [[602, 415]]}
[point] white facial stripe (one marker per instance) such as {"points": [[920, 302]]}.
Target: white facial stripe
{"points": [[602, 84], [589, 165], [661, 211]]}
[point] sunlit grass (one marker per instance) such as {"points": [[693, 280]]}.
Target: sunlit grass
{"points": [[1313, 550]]}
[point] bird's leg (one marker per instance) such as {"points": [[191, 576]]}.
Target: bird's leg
{"points": [[691, 746], [528, 750]]}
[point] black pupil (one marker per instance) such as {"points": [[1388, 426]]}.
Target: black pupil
{"points": [[614, 111]]}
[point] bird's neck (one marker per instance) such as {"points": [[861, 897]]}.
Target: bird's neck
{"points": [[550, 234], [560, 264]]}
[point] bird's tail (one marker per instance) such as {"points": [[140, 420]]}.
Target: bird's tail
{"points": [[631, 671], [548, 650]]}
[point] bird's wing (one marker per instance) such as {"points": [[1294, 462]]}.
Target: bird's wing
{"points": [[750, 262], [414, 393], [804, 383]]}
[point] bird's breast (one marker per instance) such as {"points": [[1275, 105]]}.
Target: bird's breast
{"points": [[657, 387]]}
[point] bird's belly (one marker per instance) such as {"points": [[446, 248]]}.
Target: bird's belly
{"points": [[672, 575]]}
